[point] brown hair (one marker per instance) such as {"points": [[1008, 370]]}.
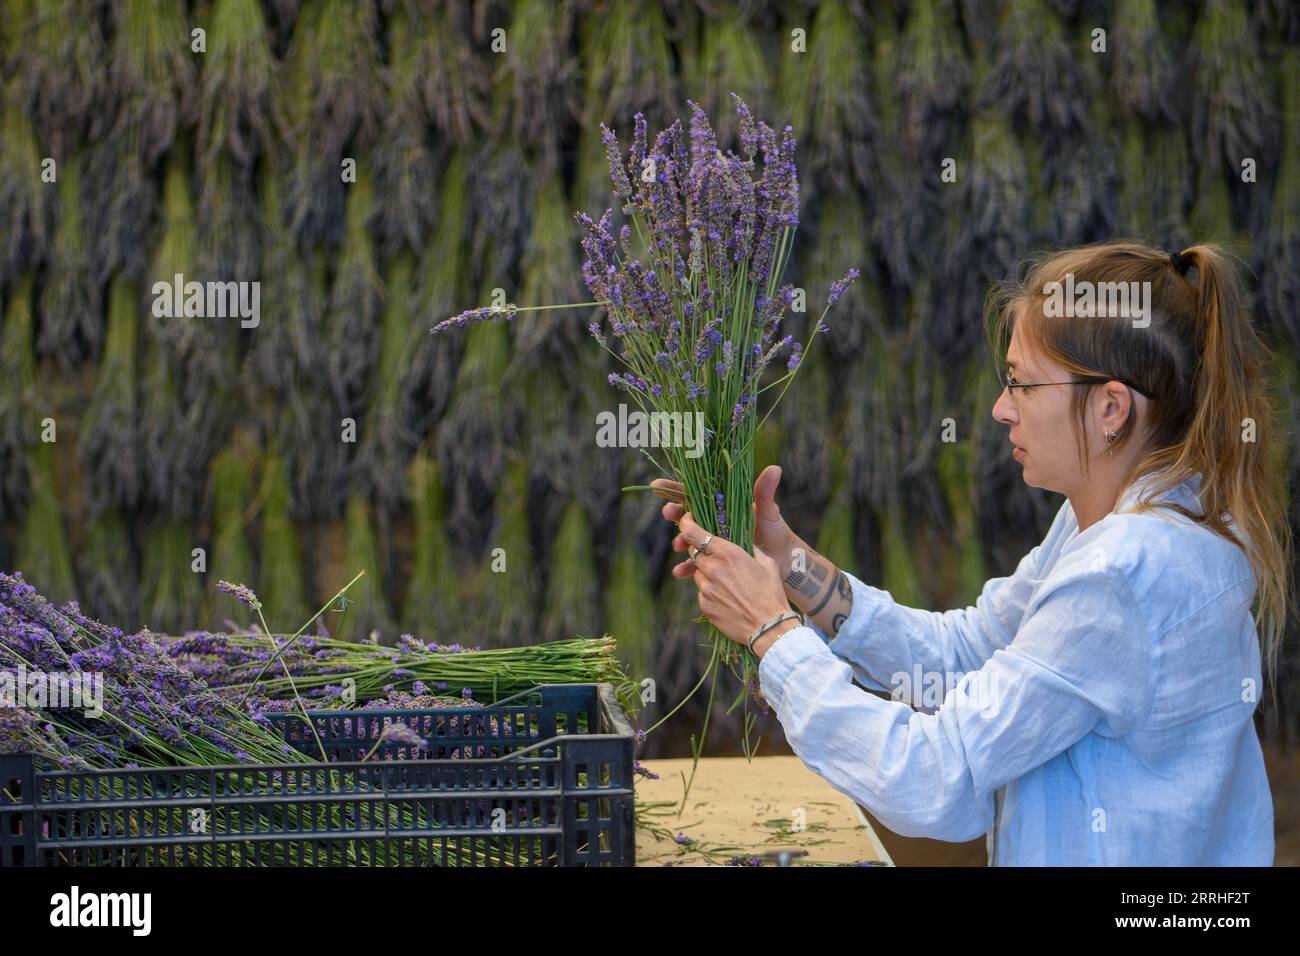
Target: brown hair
{"points": [[1207, 376]]}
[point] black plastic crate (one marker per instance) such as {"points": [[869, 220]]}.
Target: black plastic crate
{"points": [[543, 778]]}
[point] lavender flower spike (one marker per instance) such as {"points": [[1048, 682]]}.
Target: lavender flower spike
{"points": [[241, 593], [840, 285], [400, 733], [474, 316]]}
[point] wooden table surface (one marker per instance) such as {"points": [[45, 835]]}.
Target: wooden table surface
{"points": [[740, 808]]}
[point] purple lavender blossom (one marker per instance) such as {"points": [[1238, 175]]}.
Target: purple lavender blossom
{"points": [[840, 285], [241, 593], [400, 733], [473, 316], [617, 173]]}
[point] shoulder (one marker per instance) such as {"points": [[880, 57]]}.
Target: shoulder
{"points": [[1167, 562]]}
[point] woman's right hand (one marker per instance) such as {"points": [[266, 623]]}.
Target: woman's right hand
{"points": [[771, 533]]}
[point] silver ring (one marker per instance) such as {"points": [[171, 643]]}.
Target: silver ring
{"points": [[693, 553], [704, 545]]}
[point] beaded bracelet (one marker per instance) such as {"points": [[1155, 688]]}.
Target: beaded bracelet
{"points": [[764, 628]]}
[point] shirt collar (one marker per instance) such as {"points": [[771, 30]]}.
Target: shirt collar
{"points": [[1187, 492]]}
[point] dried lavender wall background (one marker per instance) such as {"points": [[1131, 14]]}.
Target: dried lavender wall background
{"points": [[338, 434]]}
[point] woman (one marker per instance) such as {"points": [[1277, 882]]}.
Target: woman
{"points": [[1101, 701]]}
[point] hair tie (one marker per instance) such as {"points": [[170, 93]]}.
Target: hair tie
{"points": [[1180, 262]]}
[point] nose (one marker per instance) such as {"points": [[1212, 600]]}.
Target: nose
{"points": [[1004, 409]]}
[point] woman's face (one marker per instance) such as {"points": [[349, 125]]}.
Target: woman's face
{"points": [[1040, 420]]}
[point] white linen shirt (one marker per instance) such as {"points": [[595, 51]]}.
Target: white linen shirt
{"points": [[1097, 706]]}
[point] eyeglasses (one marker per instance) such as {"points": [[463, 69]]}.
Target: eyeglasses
{"points": [[1010, 384]]}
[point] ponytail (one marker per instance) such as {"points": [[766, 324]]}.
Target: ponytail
{"points": [[1236, 440]]}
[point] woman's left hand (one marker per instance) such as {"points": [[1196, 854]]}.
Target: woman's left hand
{"points": [[737, 592]]}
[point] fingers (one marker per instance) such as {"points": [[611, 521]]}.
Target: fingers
{"points": [[673, 511], [667, 488], [765, 506], [684, 571]]}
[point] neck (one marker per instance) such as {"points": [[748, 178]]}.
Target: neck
{"points": [[1097, 499]]}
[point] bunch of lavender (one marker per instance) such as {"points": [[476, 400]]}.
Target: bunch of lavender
{"points": [[155, 713], [698, 305], [310, 669]]}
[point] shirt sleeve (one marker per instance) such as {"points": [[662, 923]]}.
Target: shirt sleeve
{"points": [[886, 643], [1082, 658]]}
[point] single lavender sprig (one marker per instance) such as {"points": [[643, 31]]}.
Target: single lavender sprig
{"points": [[241, 593], [397, 733]]}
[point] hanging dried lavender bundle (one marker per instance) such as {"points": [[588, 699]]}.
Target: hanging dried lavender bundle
{"points": [[1278, 252], [1035, 80], [1232, 114], [109, 448], [931, 82], [559, 456], [55, 54], [921, 78], [42, 541], [236, 89], [433, 592], [26, 203], [549, 273], [503, 587], [406, 208], [178, 436], [629, 58], [355, 309], [839, 233], [631, 615], [287, 344], [367, 609], [331, 95], [870, 423], [543, 80], [431, 374], [1143, 75], [230, 556], [108, 577], [474, 434], [228, 234], [829, 86], [280, 578], [193, 341], [71, 326], [19, 417], [572, 604], [151, 74], [387, 443], [123, 203], [456, 82], [722, 52]]}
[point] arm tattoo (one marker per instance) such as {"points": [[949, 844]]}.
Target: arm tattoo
{"points": [[822, 589], [807, 584], [812, 612]]}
